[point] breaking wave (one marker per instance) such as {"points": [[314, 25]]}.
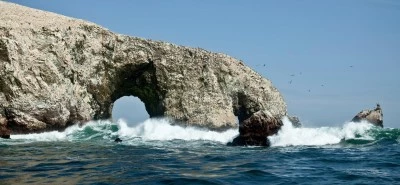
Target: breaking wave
{"points": [[160, 129], [349, 133]]}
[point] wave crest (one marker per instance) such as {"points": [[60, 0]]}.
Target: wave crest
{"points": [[290, 136], [151, 129], [162, 129]]}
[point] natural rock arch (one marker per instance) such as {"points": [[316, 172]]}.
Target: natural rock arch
{"points": [[130, 80], [61, 71], [130, 109]]}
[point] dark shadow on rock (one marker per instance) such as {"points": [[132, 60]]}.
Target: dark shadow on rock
{"points": [[250, 141], [4, 132]]}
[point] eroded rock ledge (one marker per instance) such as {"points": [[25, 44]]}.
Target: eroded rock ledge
{"points": [[56, 71]]}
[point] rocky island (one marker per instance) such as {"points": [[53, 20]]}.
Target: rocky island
{"points": [[56, 71], [374, 116]]}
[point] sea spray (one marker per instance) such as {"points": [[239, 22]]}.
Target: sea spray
{"points": [[45, 136], [161, 129], [87, 131], [88, 154], [290, 136], [153, 129]]}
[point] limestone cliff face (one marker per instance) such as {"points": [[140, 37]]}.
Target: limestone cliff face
{"points": [[56, 71]]}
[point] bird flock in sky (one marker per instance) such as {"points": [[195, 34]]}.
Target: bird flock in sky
{"points": [[300, 73]]}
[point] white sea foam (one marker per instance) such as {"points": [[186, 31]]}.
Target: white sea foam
{"points": [[161, 129], [290, 136], [69, 134], [151, 129], [46, 136]]}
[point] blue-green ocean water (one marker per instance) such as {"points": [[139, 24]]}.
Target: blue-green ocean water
{"points": [[154, 152]]}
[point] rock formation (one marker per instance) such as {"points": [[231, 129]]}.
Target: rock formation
{"points": [[56, 71], [295, 121], [118, 140], [4, 131], [254, 131], [372, 116]]}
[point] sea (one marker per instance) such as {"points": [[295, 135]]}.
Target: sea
{"points": [[156, 151]]}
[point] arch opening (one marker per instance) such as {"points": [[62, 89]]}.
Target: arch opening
{"points": [[131, 109]]}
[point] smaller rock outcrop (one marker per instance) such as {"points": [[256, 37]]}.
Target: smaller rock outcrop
{"points": [[255, 130], [118, 140], [372, 116], [295, 121]]}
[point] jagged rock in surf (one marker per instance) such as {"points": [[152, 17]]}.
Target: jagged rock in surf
{"points": [[372, 116], [118, 140], [56, 71], [295, 121], [254, 130]]}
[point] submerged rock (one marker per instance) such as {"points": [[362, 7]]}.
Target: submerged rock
{"points": [[118, 140], [372, 116], [56, 71]]}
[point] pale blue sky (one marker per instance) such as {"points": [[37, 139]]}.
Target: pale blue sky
{"points": [[316, 41]]}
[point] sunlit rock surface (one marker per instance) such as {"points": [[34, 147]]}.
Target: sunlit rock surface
{"points": [[374, 116], [56, 71]]}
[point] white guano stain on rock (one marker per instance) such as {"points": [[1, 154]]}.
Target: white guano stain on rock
{"points": [[56, 71]]}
